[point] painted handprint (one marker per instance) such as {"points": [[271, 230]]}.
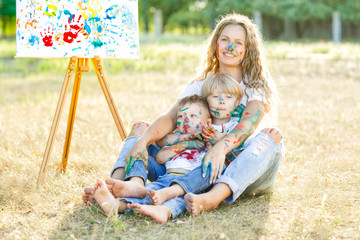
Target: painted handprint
{"points": [[96, 25], [47, 37], [91, 9], [51, 7], [72, 29]]}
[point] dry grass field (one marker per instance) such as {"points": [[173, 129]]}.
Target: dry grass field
{"points": [[318, 196]]}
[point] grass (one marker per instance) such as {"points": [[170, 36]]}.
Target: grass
{"points": [[318, 197]]}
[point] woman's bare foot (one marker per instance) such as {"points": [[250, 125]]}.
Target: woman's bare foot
{"points": [[160, 214], [196, 204], [126, 189], [106, 200], [88, 196]]}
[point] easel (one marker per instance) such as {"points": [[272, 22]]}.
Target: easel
{"points": [[82, 65]]}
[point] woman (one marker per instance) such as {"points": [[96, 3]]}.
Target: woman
{"points": [[234, 48]]}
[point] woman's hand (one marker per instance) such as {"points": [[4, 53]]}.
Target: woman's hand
{"points": [[211, 135], [215, 157], [137, 152]]}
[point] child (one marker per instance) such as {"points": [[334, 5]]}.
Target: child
{"points": [[192, 114], [223, 95]]}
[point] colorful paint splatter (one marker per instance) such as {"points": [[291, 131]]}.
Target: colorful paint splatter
{"points": [[82, 28]]}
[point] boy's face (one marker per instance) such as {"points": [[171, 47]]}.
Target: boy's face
{"points": [[221, 104], [191, 118]]}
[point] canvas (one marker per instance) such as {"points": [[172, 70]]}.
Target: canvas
{"points": [[82, 28]]}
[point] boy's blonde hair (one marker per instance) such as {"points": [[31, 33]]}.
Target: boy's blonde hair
{"points": [[191, 99], [221, 82]]}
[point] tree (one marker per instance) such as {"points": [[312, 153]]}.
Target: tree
{"points": [[169, 7], [7, 14]]}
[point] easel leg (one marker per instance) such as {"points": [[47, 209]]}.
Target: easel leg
{"points": [[74, 99], [119, 124], [56, 120]]}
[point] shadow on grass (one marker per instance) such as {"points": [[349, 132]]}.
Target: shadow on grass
{"points": [[243, 219]]}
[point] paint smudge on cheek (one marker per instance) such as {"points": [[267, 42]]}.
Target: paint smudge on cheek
{"points": [[247, 113], [217, 50], [186, 128]]}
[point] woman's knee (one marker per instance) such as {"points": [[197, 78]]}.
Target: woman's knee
{"points": [[274, 133], [138, 128]]}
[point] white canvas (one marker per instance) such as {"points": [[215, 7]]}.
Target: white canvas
{"points": [[82, 28]]}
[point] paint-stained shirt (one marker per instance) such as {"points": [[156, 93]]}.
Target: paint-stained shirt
{"points": [[229, 126], [187, 159]]}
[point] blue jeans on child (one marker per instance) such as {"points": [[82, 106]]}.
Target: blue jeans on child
{"points": [[176, 205]]}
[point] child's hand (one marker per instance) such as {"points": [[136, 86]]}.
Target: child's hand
{"points": [[196, 136], [211, 135], [194, 144]]}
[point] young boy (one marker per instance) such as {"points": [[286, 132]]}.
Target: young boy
{"points": [[182, 157], [223, 95]]}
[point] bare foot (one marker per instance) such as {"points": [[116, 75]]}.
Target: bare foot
{"points": [[126, 189], [105, 199], [88, 196], [160, 214], [194, 204], [156, 197]]}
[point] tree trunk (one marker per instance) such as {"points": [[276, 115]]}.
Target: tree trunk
{"points": [[289, 30], [336, 27], [158, 22], [258, 21], [146, 19]]}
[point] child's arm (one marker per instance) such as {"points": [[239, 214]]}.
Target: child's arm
{"points": [[168, 152], [173, 138]]}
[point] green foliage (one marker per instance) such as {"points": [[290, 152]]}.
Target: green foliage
{"points": [[169, 7], [7, 8], [350, 9], [302, 10], [7, 16]]}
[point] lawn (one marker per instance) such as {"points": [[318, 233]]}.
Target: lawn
{"points": [[317, 197]]}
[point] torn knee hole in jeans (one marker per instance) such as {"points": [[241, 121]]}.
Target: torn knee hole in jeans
{"points": [[261, 147]]}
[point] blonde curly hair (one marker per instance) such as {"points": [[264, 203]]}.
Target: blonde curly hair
{"points": [[252, 66]]}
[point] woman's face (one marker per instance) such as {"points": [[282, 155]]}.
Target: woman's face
{"points": [[231, 46]]}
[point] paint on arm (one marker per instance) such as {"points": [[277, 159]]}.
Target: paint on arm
{"points": [[251, 118]]}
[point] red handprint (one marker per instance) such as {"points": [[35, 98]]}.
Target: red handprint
{"points": [[47, 38], [72, 29]]}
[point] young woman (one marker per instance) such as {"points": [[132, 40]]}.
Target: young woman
{"points": [[234, 48]]}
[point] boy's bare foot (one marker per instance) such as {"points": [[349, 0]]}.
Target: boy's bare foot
{"points": [[126, 188], [87, 196], [160, 196], [105, 199], [156, 198], [160, 214], [196, 204]]}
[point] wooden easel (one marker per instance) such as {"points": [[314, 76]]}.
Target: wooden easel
{"points": [[82, 65]]}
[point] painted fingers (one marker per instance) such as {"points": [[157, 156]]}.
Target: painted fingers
{"points": [[212, 165], [130, 159]]}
